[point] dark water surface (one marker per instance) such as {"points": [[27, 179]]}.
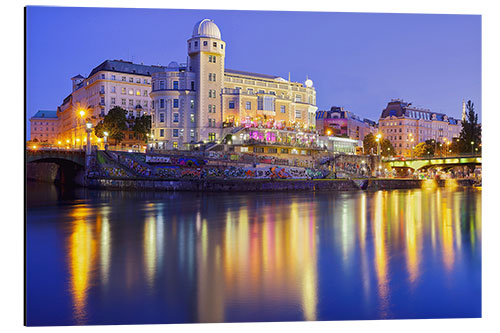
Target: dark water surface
{"points": [[99, 257]]}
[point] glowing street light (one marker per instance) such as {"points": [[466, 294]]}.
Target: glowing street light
{"points": [[105, 140], [378, 136]]}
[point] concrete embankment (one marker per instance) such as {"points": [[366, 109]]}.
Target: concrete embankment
{"points": [[254, 185]]}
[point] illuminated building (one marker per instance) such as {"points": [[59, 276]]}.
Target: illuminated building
{"points": [[340, 122], [112, 83], [202, 101], [405, 126], [44, 126]]}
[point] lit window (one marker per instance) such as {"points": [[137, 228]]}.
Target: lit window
{"points": [[192, 117], [175, 144], [138, 92], [192, 104], [191, 133], [124, 91], [131, 91]]}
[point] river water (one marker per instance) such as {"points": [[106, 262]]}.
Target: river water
{"points": [[110, 257]]}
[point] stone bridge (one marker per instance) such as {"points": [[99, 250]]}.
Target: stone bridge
{"points": [[444, 162], [70, 164]]}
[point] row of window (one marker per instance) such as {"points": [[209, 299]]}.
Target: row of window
{"points": [[41, 129], [131, 102], [130, 91], [124, 79], [205, 43], [40, 123], [175, 117]]}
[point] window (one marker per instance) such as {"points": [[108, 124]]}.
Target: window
{"points": [[113, 100], [124, 91], [103, 76], [284, 151], [175, 133], [211, 136], [258, 149], [124, 78], [176, 118], [272, 150], [195, 44], [175, 144], [176, 85], [131, 91], [145, 93], [162, 133], [176, 103], [145, 103], [130, 79], [283, 109], [231, 105], [265, 103], [221, 46], [192, 117], [113, 77], [211, 58], [215, 44], [248, 105], [209, 108], [162, 85], [162, 103], [298, 114], [162, 117], [192, 85], [192, 104], [124, 101], [205, 43], [298, 98], [138, 92], [131, 102], [191, 133], [113, 89], [137, 80], [213, 108]]}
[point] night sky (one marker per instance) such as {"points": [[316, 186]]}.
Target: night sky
{"points": [[358, 61]]}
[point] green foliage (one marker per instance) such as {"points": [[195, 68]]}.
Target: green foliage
{"points": [[424, 149], [369, 142], [142, 127], [115, 122], [470, 136]]}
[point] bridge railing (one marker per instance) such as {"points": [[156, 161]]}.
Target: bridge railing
{"points": [[430, 157]]}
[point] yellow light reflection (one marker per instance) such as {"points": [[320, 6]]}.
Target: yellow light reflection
{"points": [[381, 253], [81, 265]]}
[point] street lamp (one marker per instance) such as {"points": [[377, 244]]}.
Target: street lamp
{"points": [[378, 142], [105, 140], [472, 147], [89, 131]]}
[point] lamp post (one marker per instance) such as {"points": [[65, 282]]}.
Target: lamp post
{"points": [[105, 141], [89, 132], [378, 142], [472, 147], [82, 114]]}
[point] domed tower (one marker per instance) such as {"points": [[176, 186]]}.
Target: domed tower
{"points": [[206, 59]]}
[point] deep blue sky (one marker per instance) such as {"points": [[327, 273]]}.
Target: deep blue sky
{"points": [[359, 61]]}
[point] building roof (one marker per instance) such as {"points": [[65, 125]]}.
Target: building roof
{"points": [[398, 108], [77, 77], [265, 76], [44, 114], [206, 28], [121, 66]]}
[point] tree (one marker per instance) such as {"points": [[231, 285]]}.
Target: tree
{"points": [[142, 127], [470, 136], [370, 142], [424, 149], [115, 122]]}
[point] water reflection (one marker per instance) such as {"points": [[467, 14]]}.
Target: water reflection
{"points": [[260, 257]]}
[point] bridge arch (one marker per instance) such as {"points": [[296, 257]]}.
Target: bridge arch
{"points": [[71, 167]]}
